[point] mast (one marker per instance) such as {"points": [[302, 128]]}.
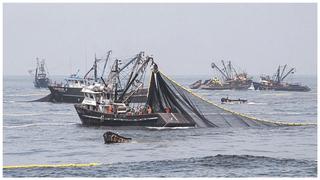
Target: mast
{"points": [[105, 64], [278, 75], [95, 68], [291, 71], [115, 83], [85, 76], [284, 67], [141, 70], [213, 65], [112, 75], [235, 72], [230, 69], [36, 75], [139, 56], [225, 69]]}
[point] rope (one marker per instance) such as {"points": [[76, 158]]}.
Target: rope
{"points": [[239, 114], [50, 166]]}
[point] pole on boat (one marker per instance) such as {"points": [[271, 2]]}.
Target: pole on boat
{"points": [[95, 68], [105, 64], [116, 84], [283, 69], [291, 71], [213, 65]]}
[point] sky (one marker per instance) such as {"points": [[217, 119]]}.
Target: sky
{"points": [[184, 39]]}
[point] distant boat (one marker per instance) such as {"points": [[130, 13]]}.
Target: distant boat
{"points": [[108, 105], [70, 90], [276, 82], [230, 79], [227, 100], [40, 79]]}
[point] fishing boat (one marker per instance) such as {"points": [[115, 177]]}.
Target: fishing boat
{"points": [[70, 90], [168, 104], [276, 82], [230, 79], [110, 104], [196, 84], [40, 78], [227, 100]]}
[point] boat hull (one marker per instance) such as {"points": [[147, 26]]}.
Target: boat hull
{"points": [[259, 86], [293, 88], [227, 87], [41, 83], [297, 88], [196, 85], [66, 94], [95, 118]]}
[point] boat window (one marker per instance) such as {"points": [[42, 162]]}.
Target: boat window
{"points": [[91, 96]]}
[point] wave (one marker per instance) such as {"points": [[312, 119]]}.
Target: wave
{"points": [[9, 101], [167, 128], [256, 103], [277, 94], [208, 166], [39, 124], [35, 114], [282, 113], [25, 95]]}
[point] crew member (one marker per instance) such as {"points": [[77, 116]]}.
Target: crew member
{"points": [[167, 110], [149, 110], [110, 109]]}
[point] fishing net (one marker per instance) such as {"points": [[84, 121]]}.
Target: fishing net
{"points": [[165, 95]]}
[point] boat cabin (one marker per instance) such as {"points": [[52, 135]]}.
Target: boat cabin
{"points": [[98, 100], [74, 82]]}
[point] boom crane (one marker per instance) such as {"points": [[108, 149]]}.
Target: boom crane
{"points": [[213, 65]]}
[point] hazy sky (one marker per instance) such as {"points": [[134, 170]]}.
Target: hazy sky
{"points": [[183, 38]]}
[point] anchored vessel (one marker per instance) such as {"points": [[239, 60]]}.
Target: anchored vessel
{"points": [[111, 104], [70, 90], [230, 79], [40, 78], [276, 82]]}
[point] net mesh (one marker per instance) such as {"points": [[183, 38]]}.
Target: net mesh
{"points": [[165, 94]]}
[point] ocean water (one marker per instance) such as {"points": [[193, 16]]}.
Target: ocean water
{"points": [[49, 133]]}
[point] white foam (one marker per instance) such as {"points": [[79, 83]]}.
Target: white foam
{"points": [[25, 95], [35, 114], [166, 128], [254, 103], [38, 124]]}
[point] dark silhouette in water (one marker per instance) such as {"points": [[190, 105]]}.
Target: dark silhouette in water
{"points": [[110, 137], [227, 100], [276, 82], [230, 79], [40, 78]]}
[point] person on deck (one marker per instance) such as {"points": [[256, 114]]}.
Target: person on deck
{"points": [[167, 110], [149, 110]]}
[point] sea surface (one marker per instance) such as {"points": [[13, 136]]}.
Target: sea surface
{"points": [[51, 133]]}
